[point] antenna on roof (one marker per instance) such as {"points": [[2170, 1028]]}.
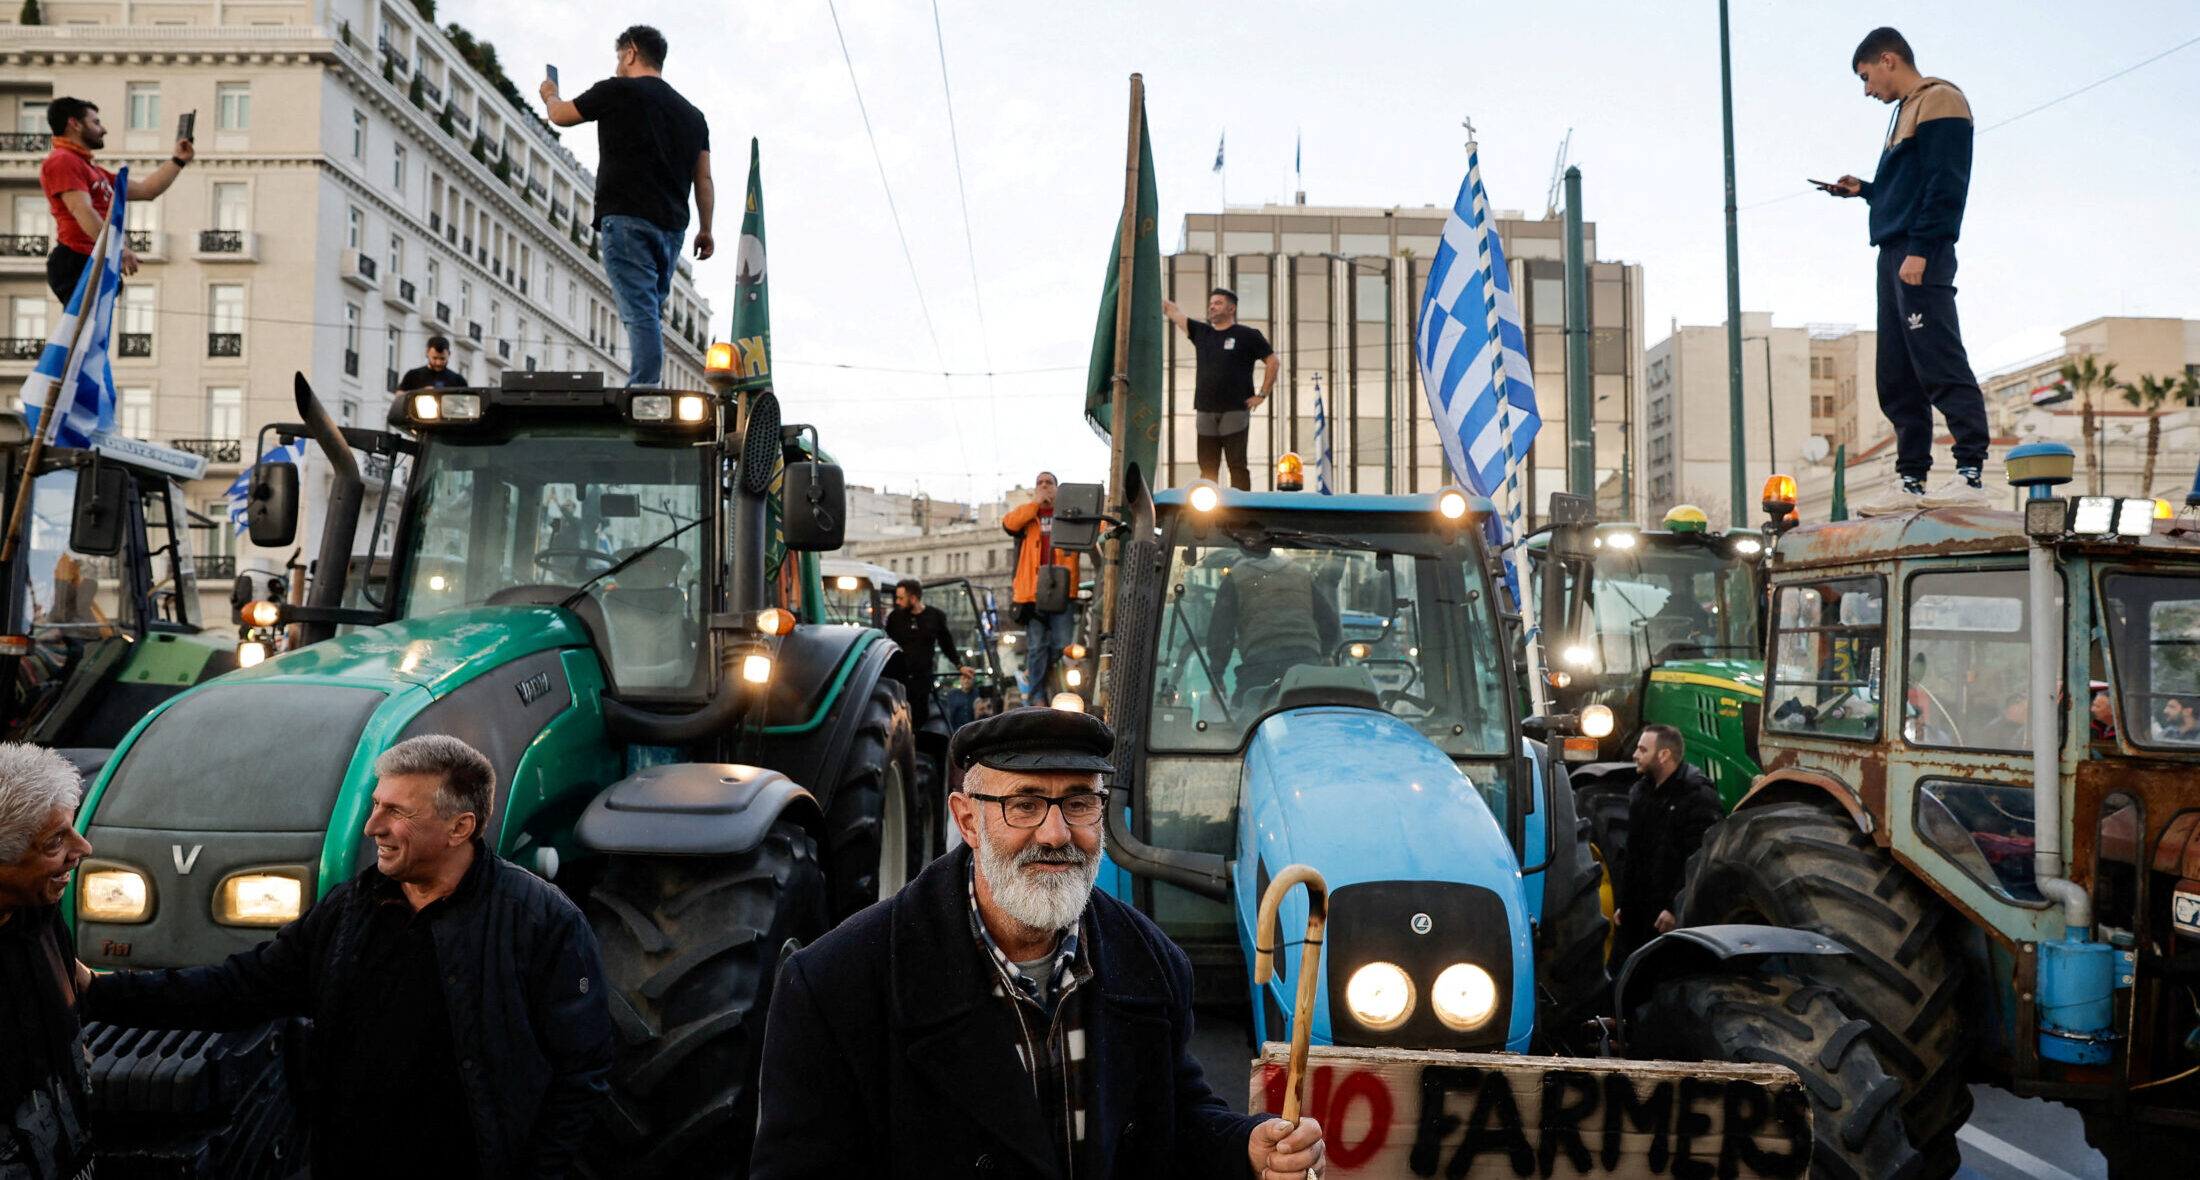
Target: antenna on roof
{"points": [[1558, 177]]}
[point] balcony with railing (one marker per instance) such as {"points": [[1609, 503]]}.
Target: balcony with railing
{"points": [[24, 245], [21, 348], [221, 344], [461, 117], [226, 245], [399, 294], [216, 450], [215, 567], [432, 92], [558, 212], [450, 233], [136, 344], [360, 269], [25, 141], [351, 363], [504, 349], [435, 220], [466, 244], [442, 314], [473, 331]]}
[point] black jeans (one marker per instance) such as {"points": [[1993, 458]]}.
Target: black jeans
{"points": [[919, 689], [1213, 448], [64, 267], [1922, 365]]}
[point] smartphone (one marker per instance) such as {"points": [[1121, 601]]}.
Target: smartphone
{"points": [[187, 124], [1824, 184], [553, 74]]}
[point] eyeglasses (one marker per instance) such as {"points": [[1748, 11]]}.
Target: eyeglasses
{"points": [[1029, 811]]}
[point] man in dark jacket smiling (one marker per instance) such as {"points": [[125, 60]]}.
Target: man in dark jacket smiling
{"points": [[457, 1001], [999, 1018], [1670, 808]]}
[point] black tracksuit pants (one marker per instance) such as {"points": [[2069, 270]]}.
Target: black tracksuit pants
{"points": [[1922, 366]]}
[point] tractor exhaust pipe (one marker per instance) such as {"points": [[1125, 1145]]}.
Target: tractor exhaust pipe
{"points": [[2047, 860], [340, 524]]}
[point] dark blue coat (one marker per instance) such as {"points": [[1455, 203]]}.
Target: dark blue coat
{"points": [[887, 1056], [523, 988]]}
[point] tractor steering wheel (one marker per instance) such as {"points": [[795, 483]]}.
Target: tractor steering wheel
{"points": [[1391, 696], [544, 559]]}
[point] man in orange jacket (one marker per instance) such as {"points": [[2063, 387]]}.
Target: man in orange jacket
{"points": [[1045, 632]]}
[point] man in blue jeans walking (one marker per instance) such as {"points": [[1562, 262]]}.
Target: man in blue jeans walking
{"points": [[651, 145]]}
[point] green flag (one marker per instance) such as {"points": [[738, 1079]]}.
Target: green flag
{"points": [[1840, 507], [752, 305], [1142, 438]]}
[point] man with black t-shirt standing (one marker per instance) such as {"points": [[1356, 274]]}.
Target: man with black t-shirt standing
{"points": [[920, 631], [1224, 402], [651, 144], [436, 374]]}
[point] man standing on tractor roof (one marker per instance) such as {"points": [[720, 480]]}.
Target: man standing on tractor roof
{"points": [[1916, 199], [1223, 400], [1000, 1016], [458, 1001], [651, 144], [1668, 811], [1047, 617], [436, 374], [80, 193]]}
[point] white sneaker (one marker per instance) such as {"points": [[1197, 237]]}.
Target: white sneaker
{"points": [[1956, 492], [1892, 501]]}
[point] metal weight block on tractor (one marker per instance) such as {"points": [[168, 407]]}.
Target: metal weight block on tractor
{"points": [[99, 594], [614, 595], [1980, 746], [1661, 627]]}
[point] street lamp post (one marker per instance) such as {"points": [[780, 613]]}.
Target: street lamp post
{"points": [[1352, 268], [1737, 453]]}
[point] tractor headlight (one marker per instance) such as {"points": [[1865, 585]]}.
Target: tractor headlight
{"points": [[756, 669], [1748, 546], [2095, 516], [2135, 518], [1380, 995], [260, 897], [1067, 702], [251, 653], [847, 582], [1596, 721], [1451, 504], [691, 408], [1203, 496], [426, 407], [1073, 677], [1619, 539], [651, 407], [1464, 996], [1578, 655], [462, 407], [113, 894]]}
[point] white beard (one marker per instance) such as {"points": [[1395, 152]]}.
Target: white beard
{"points": [[1039, 900]]}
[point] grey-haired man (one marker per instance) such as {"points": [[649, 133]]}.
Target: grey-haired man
{"points": [[457, 1000], [44, 1083]]}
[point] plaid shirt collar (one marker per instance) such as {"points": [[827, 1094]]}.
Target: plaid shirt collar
{"points": [[1071, 967]]}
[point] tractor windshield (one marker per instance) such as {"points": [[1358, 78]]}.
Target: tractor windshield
{"points": [[2154, 638], [1312, 608], [513, 516], [1664, 600]]}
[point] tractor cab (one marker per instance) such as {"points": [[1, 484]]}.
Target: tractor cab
{"points": [[857, 591], [99, 605]]}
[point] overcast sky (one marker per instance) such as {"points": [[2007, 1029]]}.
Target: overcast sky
{"points": [[2081, 210]]}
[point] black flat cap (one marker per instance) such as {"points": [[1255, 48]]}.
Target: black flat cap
{"points": [[1036, 738]]}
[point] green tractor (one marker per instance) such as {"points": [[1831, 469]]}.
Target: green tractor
{"points": [[614, 594], [99, 603], [1663, 627]]}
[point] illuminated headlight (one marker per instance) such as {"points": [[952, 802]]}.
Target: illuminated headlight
{"points": [[1008, 639], [426, 407], [691, 408], [1620, 540], [1748, 547], [1067, 702], [1464, 996], [1073, 677], [438, 582], [651, 407], [114, 895], [1358, 651], [1578, 655], [1596, 721], [756, 669], [1451, 504], [251, 653], [1203, 496], [2135, 518], [1380, 996], [260, 897], [2095, 516], [847, 582]]}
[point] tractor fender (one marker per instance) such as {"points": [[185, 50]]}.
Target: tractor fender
{"points": [[812, 721], [694, 809], [1789, 784], [1692, 949]]}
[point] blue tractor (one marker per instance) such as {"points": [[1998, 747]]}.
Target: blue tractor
{"points": [[1325, 680]]}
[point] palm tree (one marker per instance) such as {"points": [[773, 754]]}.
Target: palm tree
{"points": [[2083, 376], [2150, 393]]}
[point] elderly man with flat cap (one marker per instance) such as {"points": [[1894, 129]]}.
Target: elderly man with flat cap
{"points": [[998, 1017]]}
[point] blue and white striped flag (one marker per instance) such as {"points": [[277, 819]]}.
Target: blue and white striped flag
{"points": [[1218, 150], [240, 491], [1324, 482], [1471, 346], [87, 381]]}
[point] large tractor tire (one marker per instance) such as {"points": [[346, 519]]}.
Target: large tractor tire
{"points": [[1803, 865], [880, 833], [1856, 1119], [1603, 802], [691, 946], [1572, 986]]}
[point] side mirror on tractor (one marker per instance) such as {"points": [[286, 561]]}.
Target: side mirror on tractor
{"points": [[95, 524], [816, 507], [271, 504], [1078, 515]]}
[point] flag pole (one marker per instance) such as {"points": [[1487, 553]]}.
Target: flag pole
{"points": [[48, 420], [1126, 285], [1510, 502]]}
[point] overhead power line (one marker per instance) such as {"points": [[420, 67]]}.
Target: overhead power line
{"points": [[970, 244]]}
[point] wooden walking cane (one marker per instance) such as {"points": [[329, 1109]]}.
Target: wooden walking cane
{"points": [[1267, 937]]}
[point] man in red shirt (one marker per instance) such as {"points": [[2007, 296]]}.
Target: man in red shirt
{"points": [[81, 193]]}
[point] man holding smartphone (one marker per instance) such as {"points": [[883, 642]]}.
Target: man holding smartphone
{"points": [[80, 193], [1916, 198], [652, 144]]}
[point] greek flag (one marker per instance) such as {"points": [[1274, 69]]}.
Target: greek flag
{"points": [[1324, 481], [1218, 150], [1473, 355], [87, 403], [240, 491]]}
